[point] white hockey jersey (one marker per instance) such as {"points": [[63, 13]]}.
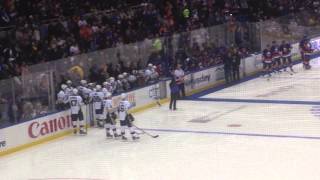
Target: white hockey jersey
{"points": [[107, 104], [97, 98], [62, 97], [84, 91], [75, 104], [105, 92], [68, 91], [123, 108]]}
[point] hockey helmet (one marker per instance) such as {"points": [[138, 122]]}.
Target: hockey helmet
{"points": [[75, 91], [83, 82], [98, 87], [63, 86], [123, 96], [69, 82]]}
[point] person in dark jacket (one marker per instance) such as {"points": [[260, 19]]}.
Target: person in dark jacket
{"points": [[174, 93]]}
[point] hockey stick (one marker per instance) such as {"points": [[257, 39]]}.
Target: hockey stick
{"points": [[145, 132]]}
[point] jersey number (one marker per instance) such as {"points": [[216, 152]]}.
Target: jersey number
{"points": [[121, 108], [73, 103]]}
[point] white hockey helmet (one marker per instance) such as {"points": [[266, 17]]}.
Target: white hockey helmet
{"points": [[154, 67], [63, 86], [123, 96], [83, 82], [120, 76], [108, 95], [132, 78], [69, 82], [150, 65], [98, 87], [75, 91], [125, 74], [148, 72], [105, 84]]}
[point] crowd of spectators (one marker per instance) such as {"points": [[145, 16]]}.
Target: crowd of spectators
{"points": [[46, 30]]}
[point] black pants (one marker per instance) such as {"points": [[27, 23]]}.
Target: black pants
{"points": [[227, 74], [182, 90], [173, 100], [236, 73]]}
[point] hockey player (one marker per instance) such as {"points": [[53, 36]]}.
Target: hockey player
{"points": [[276, 57], [285, 50], [84, 91], [267, 60], [75, 102], [125, 82], [125, 122], [132, 79], [97, 98], [119, 85], [69, 88], [306, 52], [110, 116], [91, 86], [113, 85], [62, 98], [104, 89]]}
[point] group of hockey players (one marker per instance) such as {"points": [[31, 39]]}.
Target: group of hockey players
{"points": [[99, 97], [277, 58]]}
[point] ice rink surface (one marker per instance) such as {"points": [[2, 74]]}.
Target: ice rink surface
{"points": [[256, 130]]}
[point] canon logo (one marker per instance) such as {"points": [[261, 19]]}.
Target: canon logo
{"points": [[37, 129]]}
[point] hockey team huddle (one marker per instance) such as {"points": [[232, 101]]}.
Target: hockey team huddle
{"points": [[100, 96], [105, 113], [278, 57]]}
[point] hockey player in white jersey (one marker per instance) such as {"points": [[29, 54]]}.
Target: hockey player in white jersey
{"points": [[75, 102], [119, 84], [125, 122], [69, 88], [125, 82], [109, 117], [113, 85], [97, 98], [84, 91], [106, 89], [62, 98], [132, 79]]}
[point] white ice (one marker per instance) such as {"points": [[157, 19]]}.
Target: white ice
{"points": [[207, 149]]}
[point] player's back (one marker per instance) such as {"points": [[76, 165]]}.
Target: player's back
{"points": [[107, 103], [97, 98], [75, 102]]}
